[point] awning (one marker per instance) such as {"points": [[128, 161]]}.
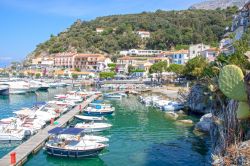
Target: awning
{"points": [[70, 131]]}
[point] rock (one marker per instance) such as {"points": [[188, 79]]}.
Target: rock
{"points": [[186, 121], [172, 115], [204, 124], [199, 100], [181, 113]]}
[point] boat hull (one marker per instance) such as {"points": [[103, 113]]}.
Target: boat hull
{"points": [[89, 113], [4, 91], [45, 88], [67, 153]]}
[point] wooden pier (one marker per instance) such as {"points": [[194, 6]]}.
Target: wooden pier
{"points": [[36, 142]]}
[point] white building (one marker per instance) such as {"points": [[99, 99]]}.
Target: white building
{"points": [[143, 34], [102, 64], [135, 52], [177, 57], [195, 50], [99, 30]]}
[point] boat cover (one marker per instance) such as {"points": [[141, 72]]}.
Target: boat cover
{"points": [[61, 130]]}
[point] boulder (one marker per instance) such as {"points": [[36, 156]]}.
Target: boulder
{"points": [[199, 100], [204, 124], [172, 115], [186, 121]]}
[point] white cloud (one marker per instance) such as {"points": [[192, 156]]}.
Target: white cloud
{"points": [[5, 58]]}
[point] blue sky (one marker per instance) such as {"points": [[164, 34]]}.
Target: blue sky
{"points": [[26, 23]]}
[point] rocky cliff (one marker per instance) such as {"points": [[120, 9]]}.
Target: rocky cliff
{"points": [[214, 4]]}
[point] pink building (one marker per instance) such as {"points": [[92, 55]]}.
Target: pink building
{"points": [[65, 60]]}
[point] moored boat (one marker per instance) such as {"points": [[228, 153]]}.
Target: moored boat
{"points": [[74, 149], [99, 112], [93, 127], [90, 118]]}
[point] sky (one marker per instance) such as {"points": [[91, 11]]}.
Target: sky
{"points": [[26, 23]]}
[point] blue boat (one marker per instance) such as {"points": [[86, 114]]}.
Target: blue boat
{"points": [[72, 148], [98, 113]]}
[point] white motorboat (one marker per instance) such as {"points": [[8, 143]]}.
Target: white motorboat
{"points": [[90, 118], [18, 87], [12, 135], [93, 127]]}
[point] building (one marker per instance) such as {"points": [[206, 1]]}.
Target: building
{"points": [[102, 64], [210, 54], [89, 62], [195, 50], [178, 57], [36, 61], [99, 30], [84, 62], [135, 52], [143, 63], [240, 24], [43, 61], [143, 34], [65, 60], [48, 61]]}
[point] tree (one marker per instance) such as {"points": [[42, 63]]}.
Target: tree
{"points": [[130, 69], [38, 75], [77, 69], [107, 75], [195, 67], [74, 76], [158, 68], [112, 67], [176, 68]]}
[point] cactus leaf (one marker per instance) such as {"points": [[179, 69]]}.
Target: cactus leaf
{"points": [[243, 111], [231, 83]]}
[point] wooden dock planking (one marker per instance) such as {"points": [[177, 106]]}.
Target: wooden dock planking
{"points": [[35, 143]]}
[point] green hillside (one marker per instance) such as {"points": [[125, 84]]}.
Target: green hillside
{"points": [[168, 29]]}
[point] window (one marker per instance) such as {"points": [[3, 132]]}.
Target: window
{"points": [[180, 56]]}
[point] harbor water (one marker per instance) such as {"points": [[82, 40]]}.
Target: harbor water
{"points": [[140, 136]]}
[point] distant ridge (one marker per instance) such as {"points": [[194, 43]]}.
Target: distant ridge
{"points": [[214, 4]]}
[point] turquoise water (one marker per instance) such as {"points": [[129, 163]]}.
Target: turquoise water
{"points": [[140, 136]]}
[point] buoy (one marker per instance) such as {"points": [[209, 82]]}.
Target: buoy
{"points": [[13, 158], [52, 121]]}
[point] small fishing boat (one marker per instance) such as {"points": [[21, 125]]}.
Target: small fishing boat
{"points": [[67, 145], [99, 112], [74, 149], [112, 96], [99, 105], [93, 127], [90, 118]]}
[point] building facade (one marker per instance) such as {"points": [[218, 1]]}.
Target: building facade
{"points": [[65, 60], [143, 34], [210, 54], [177, 57], [195, 50], [84, 62], [147, 53]]}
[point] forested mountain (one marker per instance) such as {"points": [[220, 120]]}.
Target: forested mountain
{"points": [[214, 4], [168, 29]]}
